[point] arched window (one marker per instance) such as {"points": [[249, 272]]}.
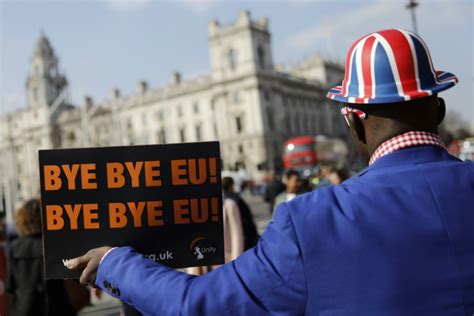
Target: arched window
{"points": [[232, 58], [261, 56]]}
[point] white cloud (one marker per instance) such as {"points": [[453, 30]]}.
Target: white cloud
{"points": [[341, 29], [198, 6], [126, 5], [346, 26]]}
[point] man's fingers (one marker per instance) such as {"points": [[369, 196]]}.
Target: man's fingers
{"points": [[89, 273], [89, 262], [77, 263]]}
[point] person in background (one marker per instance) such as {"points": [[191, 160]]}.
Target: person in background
{"points": [[293, 188], [321, 180], [337, 176], [30, 294], [306, 185], [3, 265], [246, 216], [233, 237], [274, 187]]}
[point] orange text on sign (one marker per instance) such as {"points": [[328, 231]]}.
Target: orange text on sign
{"points": [[136, 211], [84, 171], [67, 216], [197, 211], [193, 171], [118, 173]]}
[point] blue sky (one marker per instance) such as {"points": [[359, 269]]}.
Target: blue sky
{"points": [[116, 43]]}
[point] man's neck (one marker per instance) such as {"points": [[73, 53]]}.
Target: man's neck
{"points": [[406, 140], [376, 140]]}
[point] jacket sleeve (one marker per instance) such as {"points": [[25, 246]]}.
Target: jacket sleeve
{"points": [[267, 279]]}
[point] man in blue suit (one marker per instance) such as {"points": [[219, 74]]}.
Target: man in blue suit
{"points": [[398, 239]]}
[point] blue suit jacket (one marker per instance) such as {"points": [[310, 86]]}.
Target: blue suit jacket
{"points": [[396, 240]]}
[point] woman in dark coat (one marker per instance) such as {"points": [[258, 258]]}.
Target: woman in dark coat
{"points": [[30, 293]]}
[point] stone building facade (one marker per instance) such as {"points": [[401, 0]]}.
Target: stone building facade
{"points": [[246, 102]]}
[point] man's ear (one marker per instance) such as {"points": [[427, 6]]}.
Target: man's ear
{"points": [[441, 110], [357, 127]]}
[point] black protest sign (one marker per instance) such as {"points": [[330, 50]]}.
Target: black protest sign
{"points": [[163, 200]]}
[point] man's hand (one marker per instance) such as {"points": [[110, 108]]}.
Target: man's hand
{"points": [[89, 263]]}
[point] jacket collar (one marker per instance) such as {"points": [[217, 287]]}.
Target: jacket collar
{"points": [[411, 156]]}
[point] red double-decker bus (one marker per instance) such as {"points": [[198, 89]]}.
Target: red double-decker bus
{"points": [[305, 152], [299, 153]]}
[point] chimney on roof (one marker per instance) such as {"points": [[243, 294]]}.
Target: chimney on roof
{"points": [[176, 78], [88, 101], [213, 27], [114, 94], [142, 86], [244, 17]]}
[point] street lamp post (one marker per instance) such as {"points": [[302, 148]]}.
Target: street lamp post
{"points": [[412, 4]]}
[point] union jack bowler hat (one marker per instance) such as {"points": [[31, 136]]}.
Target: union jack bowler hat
{"points": [[390, 66]]}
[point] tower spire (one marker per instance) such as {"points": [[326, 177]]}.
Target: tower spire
{"points": [[44, 83]]}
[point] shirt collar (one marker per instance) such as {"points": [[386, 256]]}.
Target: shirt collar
{"points": [[409, 139]]}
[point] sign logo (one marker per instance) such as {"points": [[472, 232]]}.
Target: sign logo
{"points": [[200, 248]]}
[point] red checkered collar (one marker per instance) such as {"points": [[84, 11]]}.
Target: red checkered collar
{"points": [[409, 139]]}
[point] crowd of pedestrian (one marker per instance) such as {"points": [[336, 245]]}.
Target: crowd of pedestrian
{"points": [[277, 191]]}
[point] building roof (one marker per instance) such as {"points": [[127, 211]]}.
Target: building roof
{"points": [[43, 47]]}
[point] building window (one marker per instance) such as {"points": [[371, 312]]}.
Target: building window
{"points": [[71, 137], [129, 123], [179, 110], [182, 135], [196, 108], [294, 102], [271, 119], [266, 96], [35, 94], [288, 123], [131, 138], [238, 124], [241, 148], [297, 127], [232, 58], [236, 97], [161, 136], [261, 56], [198, 132], [159, 115]]}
